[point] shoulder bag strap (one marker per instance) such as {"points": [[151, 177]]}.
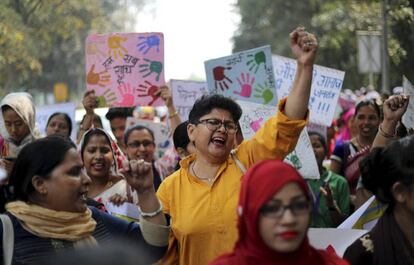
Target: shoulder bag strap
{"points": [[238, 162], [8, 239]]}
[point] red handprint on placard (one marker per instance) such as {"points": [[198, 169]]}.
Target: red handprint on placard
{"points": [[220, 78], [149, 90], [128, 93], [245, 85]]}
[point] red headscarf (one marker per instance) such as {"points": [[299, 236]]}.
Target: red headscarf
{"points": [[259, 185]]}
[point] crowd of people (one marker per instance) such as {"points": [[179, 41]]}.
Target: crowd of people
{"points": [[213, 197]]}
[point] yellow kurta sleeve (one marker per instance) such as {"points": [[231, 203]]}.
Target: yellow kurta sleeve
{"points": [[276, 139], [164, 193]]}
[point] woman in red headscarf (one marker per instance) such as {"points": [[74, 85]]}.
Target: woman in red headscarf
{"points": [[268, 232]]}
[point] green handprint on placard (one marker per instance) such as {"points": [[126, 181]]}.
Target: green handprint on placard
{"points": [[263, 91], [151, 67], [106, 99], [294, 159], [259, 58]]}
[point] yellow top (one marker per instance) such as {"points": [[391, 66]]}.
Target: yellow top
{"points": [[203, 217]]}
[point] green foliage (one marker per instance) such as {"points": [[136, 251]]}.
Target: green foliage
{"points": [[335, 22], [42, 41]]}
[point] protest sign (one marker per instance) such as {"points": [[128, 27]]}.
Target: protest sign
{"points": [[125, 69], [44, 112], [321, 129], [246, 75], [338, 239], [408, 117], [366, 216], [326, 86], [126, 211], [302, 158], [184, 95], [161, 133]]}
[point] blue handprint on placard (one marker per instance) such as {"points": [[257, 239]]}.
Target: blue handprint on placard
{"points": [[147, 43], [151, 67]]}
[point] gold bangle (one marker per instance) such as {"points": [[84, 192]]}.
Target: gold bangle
{"points": [[170, 116], [385, 134]]}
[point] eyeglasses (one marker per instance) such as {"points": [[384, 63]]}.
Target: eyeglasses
{"points": [[137, 144], [215, 124], [276, 210]]}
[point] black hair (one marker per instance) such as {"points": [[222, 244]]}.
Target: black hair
{"points": [[401, 130], [207, 103], [370, 102], [37, 158], [96, 117], [118, 113], [385, 166], [137, 128], [88, 135], [321, 139], [5, 108], [180, 136], [67, 119]]}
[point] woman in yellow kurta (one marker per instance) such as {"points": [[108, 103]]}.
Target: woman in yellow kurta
{"points": [[201, 197]]}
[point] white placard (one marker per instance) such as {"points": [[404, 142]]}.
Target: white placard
{"points": [[339, 239], [185, 93], [408, 117], [321, 129], [246, 75], [358, 218], [326, 86], [161, 133], [302, 158], [126, 209], [43, 113]]}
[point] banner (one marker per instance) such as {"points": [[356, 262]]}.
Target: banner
{"points": [[161, 133], [127, 211], [326, 86], [302, 158], [125, 69], [408, 117], [184, 95], [366, 216], [338, 239], [44, 112], [246, 75]]}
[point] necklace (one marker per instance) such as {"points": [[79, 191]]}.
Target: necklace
{"points": [[209, 180], [359, 143]]}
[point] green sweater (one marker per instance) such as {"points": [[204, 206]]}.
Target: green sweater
{"points": [[340, 193]]}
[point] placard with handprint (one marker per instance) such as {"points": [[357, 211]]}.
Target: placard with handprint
{"points": [[246, 75], [253, 118], [161, 133], [408, 117], [326, 87], [185, 93], [125, 69], [43, 113]]}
